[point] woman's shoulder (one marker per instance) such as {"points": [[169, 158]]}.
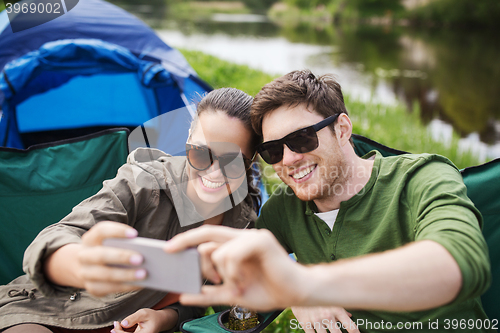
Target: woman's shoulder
{"points": [[164, 167], [147, 155]]}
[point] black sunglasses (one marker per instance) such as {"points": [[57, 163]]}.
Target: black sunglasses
{"points": [[301, 141], [231, 165]]}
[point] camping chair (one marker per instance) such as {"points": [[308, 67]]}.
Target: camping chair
{"points": [[40, 185], [483, 188], [214, 323]]}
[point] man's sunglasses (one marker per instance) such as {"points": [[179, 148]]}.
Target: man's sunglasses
{"points": [[231, 164], [301, 141]]}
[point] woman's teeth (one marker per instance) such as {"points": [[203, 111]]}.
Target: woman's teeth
{"points": [[304, 172], [210, 184]]}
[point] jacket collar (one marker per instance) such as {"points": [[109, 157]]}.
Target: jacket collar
{"points": [[171, 176]]}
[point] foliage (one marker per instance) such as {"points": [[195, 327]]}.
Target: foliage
{"points": [[155, 3], [307, 4], [375, 7], [254, 5], [393, 126], [484, 13], [202, 10], [2, 6], [259, 4], [347, 9]]}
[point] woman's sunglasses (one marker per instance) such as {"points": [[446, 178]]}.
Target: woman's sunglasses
{"points": [[301, 141], [231, 164]]}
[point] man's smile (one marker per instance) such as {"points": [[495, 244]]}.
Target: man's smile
{"points": [[302, 174]]}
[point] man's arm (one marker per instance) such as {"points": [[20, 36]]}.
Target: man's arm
{"points": [[418, 276], [437, 196], [258, 274]]}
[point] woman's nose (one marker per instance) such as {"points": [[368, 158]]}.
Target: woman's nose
{"points": [[215, 171]]}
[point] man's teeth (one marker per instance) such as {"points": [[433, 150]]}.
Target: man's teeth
{"points": [[304, 172], [210, 184]]}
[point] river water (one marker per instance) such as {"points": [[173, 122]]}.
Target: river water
{"points": [[453, 76]]}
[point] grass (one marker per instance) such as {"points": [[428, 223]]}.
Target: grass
{"points": [[392, 126], [219, 73], [395, 127], [202, 10], [285, 14]]}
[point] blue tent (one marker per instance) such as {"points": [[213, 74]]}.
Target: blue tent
{"points": [[94, 67]]}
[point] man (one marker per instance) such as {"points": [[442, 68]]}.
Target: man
{"points": [[403, 238]]}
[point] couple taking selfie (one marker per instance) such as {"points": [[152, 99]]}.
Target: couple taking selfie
{"points": [[377, 239]]}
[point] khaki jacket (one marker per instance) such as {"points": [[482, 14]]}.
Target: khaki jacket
{"points": [[147, 207]]}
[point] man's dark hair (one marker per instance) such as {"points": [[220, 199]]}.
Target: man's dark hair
{"points": [[323, 94]]}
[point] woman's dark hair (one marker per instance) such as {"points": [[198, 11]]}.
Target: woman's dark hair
{"points": [[236, 104]]}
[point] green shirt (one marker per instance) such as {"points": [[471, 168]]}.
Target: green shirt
{"points": [[407, 198]]}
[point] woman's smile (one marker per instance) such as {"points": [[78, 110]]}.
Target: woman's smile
{"points": [[209, 185]]}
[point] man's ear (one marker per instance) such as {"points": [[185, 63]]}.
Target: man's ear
{"points": [[343, 129]]}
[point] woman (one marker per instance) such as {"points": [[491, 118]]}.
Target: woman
{"points": [[154, 195]]}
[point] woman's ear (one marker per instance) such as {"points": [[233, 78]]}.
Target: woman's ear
{"points": [[343, 129]]}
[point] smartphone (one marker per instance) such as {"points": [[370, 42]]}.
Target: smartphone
{"points": [[174, 272]]}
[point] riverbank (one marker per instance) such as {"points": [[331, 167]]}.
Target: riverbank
{"points": [[391, 125], [203, 10]]}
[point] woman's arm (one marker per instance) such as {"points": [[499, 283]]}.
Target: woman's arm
{"points": [[90, 266], [258, 274], [69, 253]]}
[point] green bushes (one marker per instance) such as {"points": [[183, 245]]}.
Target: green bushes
{"points": [[484, 13]]}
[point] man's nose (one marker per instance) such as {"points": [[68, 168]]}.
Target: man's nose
{"points": [[290, 157]]}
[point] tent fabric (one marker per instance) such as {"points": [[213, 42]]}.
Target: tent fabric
{"points": [[483, 188], [75, 57], [40, 185], [4, 20], [363, 145], [94, 19], [63, 63], [82, 62]]}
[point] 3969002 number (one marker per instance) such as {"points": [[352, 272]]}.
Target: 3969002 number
{"points": [[470, 324], [33, 8]]}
